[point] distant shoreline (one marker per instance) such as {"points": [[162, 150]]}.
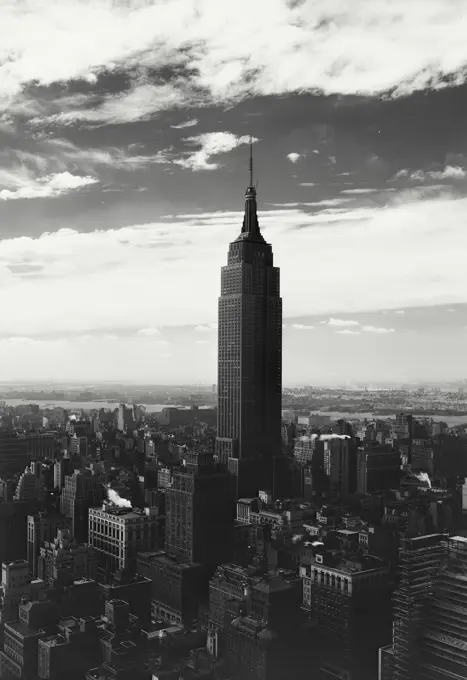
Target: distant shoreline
{"points": [[459, 419]]}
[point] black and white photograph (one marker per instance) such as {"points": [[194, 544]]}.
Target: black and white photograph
{"points": [[233, 340]]}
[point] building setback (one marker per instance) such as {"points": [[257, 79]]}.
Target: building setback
{"points": [[249, 355]]}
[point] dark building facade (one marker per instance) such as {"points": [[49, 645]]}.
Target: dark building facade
{"points": [[13, 453], [81, 491], [250, 354], [378, 469], [199, 512], [178, 587]]}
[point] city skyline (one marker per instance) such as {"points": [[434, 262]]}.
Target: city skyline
{"points": [[123, 165]]}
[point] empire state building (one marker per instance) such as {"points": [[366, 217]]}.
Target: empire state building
{"points": [[250, 356]]}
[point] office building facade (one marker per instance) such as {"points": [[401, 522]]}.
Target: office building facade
{"points": [[249, 354]]}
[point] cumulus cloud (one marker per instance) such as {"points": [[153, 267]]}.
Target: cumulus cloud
{"points": [[211, 144], [399, 311], [302, 327], [348, 331], [23, 185], [293, 157], [283, 47], [449, 172], [341, 322], [375, 329]]}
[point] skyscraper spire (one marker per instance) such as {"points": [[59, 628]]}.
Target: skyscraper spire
{"points": [[250, 228], [251, 162]]}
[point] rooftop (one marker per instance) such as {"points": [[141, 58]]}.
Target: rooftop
{"points": [[21, 628], [461, 539]]}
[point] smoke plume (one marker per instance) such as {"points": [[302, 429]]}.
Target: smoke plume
{"points": [[323, 437], [423, 477], [115, 498], [296, 538]]}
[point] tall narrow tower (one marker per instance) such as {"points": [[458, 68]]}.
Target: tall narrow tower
{"points": [[250, 356]]}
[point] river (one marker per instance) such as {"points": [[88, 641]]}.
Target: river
{"points": [[157, 408]]}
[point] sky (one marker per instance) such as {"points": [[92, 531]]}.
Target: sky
{"points": [[124, 129]]}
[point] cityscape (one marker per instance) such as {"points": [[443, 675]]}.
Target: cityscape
{"points": [[238, 534], [233, 436]]}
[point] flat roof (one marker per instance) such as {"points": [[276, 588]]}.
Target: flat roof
{"points": [[21, 628]]}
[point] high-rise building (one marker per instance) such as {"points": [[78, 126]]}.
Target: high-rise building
{"points": [[81, 491], [249, 354], [78, 446], [378, 468], [199, 512], [40, 444], [340, 465], [419, 563], [444, 647], [13, 453], [347, 599]]}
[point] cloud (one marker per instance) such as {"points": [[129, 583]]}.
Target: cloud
{"points": [[375, 329], [212, 144], [363, 191], [341, 322], [23, 185], [186, 124], [293, 157], [449, 172], [134, 267], [149, 332], [328, 202], [399, 311], [282, 48], [301, 327], [139, 103], [348, 331], [63, 152]]}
